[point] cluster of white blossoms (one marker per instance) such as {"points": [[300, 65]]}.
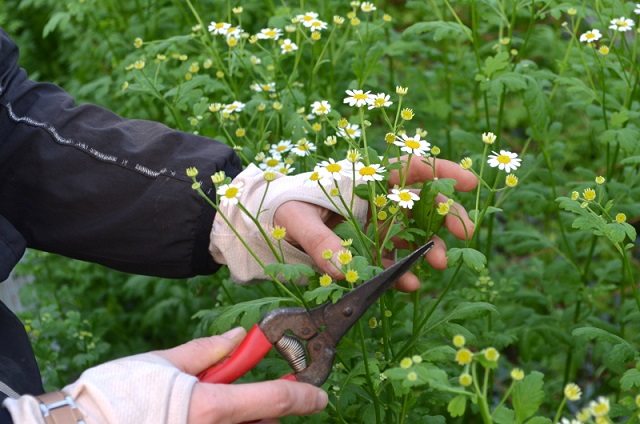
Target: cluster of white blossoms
{"points": [[621, 24], [359, 98], [310, 20], [225, 29]]}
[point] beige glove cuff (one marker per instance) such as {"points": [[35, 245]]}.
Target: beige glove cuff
{"points": [[227, 249], [139, 389]]}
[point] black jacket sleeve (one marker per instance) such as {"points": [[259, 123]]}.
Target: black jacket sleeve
{"points": [[85, 183]]}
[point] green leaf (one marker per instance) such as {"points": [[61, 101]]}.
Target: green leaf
{"points": [[540, 420], [615, 232], [457, 406], [619, 118], [626, 138], [504, 415], [289, 272], [57, 19], [528, 396], [593, 333], [443, 186], [249, 312], [630, 378], [494, 64], [450, 31], [471, 258], [346, 230], [322, 294]]}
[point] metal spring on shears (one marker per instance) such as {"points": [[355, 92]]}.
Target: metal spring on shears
{"points": [[293, 351]]}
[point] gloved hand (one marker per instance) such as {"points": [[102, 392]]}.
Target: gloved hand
{"points": [[160, 387]]}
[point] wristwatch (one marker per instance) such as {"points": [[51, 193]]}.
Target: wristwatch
{"points": [[59, 408]]}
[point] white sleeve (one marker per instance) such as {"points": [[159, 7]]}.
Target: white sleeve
{"points": [[227, 249], [142, 389]]}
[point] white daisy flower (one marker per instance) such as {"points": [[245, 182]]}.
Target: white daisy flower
{"points": [[307, 18], [269, 34], [373, 172], [288, 46], [270, 87], [637, 9], [236, 106], [506, 161], [321, 107], [621, 24], [331, 168], [285, 169], [218, 28], [405, 198], [232, 31], [303, 148], [357, 98], [230, 193], [367, 6], [379, 100], [350, 131], [590, 36], [317, 25], [280, 148], [412, 145], [317, 177], [271, 163]]}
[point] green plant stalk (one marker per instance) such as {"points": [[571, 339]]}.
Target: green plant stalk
{"points": [[417, 331], [576, 316], [504, 399], [629, 271], [559, 411], [376, 401], [481, 396]]}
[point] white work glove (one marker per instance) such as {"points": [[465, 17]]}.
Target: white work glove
{"points": [[227, 249]]}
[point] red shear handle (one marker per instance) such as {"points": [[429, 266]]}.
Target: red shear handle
{"points": [[248, 353]]}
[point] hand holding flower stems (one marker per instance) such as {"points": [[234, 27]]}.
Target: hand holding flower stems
{"points": [[310, 226]]}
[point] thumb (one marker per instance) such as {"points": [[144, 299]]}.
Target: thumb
{"points": [[197, 355]]}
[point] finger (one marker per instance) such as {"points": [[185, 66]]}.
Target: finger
{"points": [[307, 227], [197, 355], [235, 403], [421, 169], [458, 222], [437, 256]]}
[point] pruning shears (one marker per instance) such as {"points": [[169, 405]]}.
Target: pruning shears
{"points": [[307, 338]]}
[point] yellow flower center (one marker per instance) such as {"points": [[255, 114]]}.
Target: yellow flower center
{"points": [[272, 162], [303, 146], [231, 192], [504, 159], [412, 144], [271, 33], [379, 102], [367, 171], [334, 167], [360, 96], [405, 196]]}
